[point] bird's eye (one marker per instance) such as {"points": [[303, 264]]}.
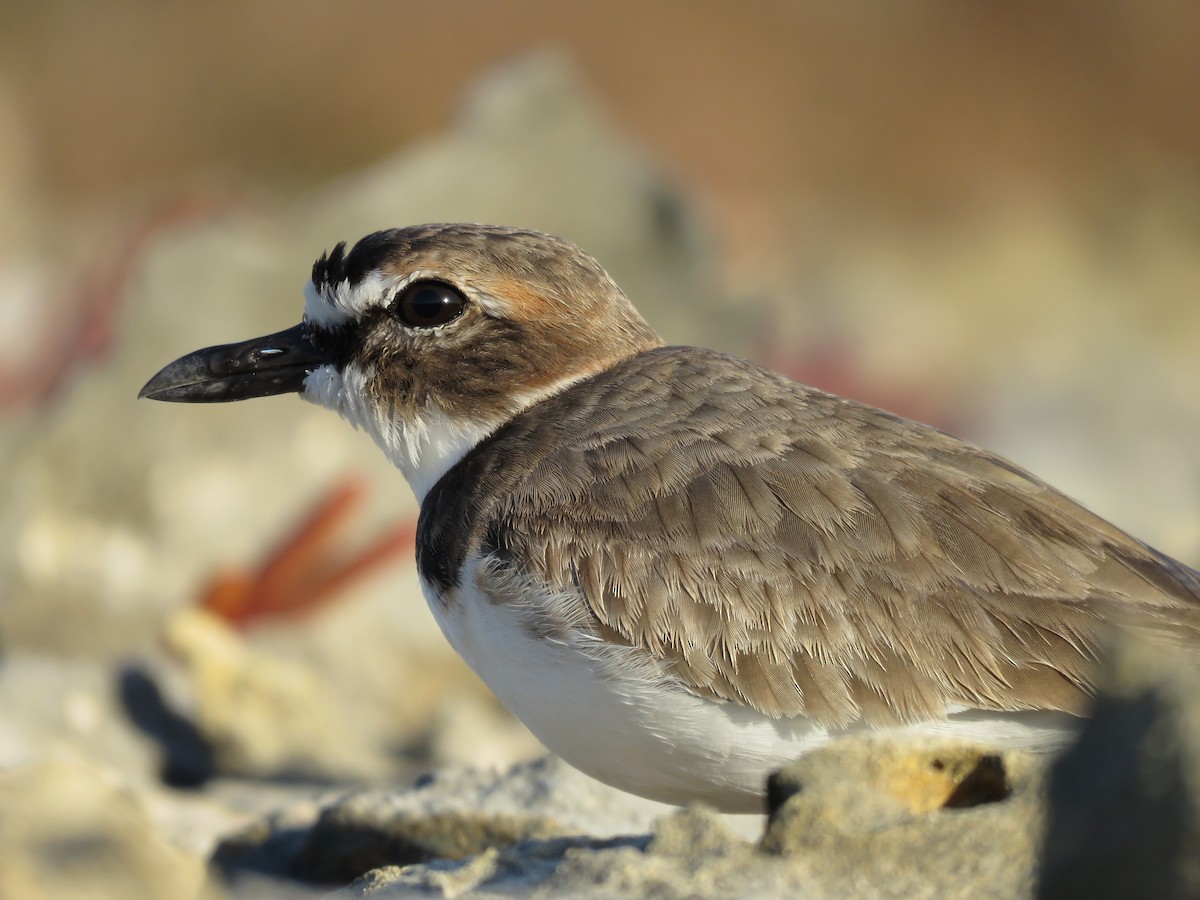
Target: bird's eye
{"points": [[427, 304]]}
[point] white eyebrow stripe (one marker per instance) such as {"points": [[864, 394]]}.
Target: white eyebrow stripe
{"points": [[340, 303], [319, 311]]}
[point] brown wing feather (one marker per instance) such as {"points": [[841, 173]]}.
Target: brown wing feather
{"points": [[821, 557]]}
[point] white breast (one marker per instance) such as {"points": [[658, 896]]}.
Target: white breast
{"points": [[615, 718]]}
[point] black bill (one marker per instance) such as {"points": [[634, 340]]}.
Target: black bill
{"points": [[261, 367]]}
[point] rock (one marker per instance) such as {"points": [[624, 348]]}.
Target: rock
{"points": [[896, 817], [691, 853], [267, 848], [909, 817], [861, 785], [525, 870], [266, 716], [449, 815], [344, 843], [1124, 817], [67, 831]]}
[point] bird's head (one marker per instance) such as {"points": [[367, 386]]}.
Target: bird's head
{"points": [[429, 338]]}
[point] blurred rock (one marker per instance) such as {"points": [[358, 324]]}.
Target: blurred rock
{"points": [[246, 712], [451, 814], [862, 816], [344, 842], [1124, 817], [910, 817], [66, 831], [268, 717], [66, 710], [187, 756], [267, 848]]}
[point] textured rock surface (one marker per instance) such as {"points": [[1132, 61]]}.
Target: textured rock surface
{"points": [[862, 817], [910, 818], [1124, 815], [450, 815]]}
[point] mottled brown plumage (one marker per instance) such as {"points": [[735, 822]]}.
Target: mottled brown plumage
{"points": [[803, 554]]}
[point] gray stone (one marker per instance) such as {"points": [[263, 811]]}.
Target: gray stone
{"points": [[343, 844], [861, 817], [910, 817], [1124, 817], [66, 830], [451, 814]]}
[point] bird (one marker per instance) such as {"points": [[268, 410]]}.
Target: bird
{"points": [[679, 569]]}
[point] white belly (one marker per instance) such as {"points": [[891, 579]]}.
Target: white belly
{"points": [[612, 719]]}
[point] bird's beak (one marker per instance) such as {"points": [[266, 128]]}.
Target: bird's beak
{"points": [[261, 367]]}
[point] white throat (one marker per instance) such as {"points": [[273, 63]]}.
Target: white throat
{"points": [[425, 446]]}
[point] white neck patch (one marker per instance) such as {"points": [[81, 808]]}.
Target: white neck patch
{"points": [[425, 446]]}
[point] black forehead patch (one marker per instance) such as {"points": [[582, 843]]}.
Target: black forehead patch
{"points": [[367, 255]]}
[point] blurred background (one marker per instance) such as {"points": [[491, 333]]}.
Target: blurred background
{"points": [[986, 216]]}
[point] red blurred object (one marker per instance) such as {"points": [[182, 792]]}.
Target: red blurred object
{"points": [[304, 573], [832, 365]]}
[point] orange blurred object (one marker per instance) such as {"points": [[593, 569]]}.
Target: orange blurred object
{"points": [[304, 573]]}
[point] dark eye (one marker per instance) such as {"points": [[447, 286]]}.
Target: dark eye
{"points": [[426, 304]]}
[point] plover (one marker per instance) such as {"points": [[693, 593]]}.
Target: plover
{"points": [[679, 569]]}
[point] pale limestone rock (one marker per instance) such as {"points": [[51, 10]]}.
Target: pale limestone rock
{"points": [[66, 830]]}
